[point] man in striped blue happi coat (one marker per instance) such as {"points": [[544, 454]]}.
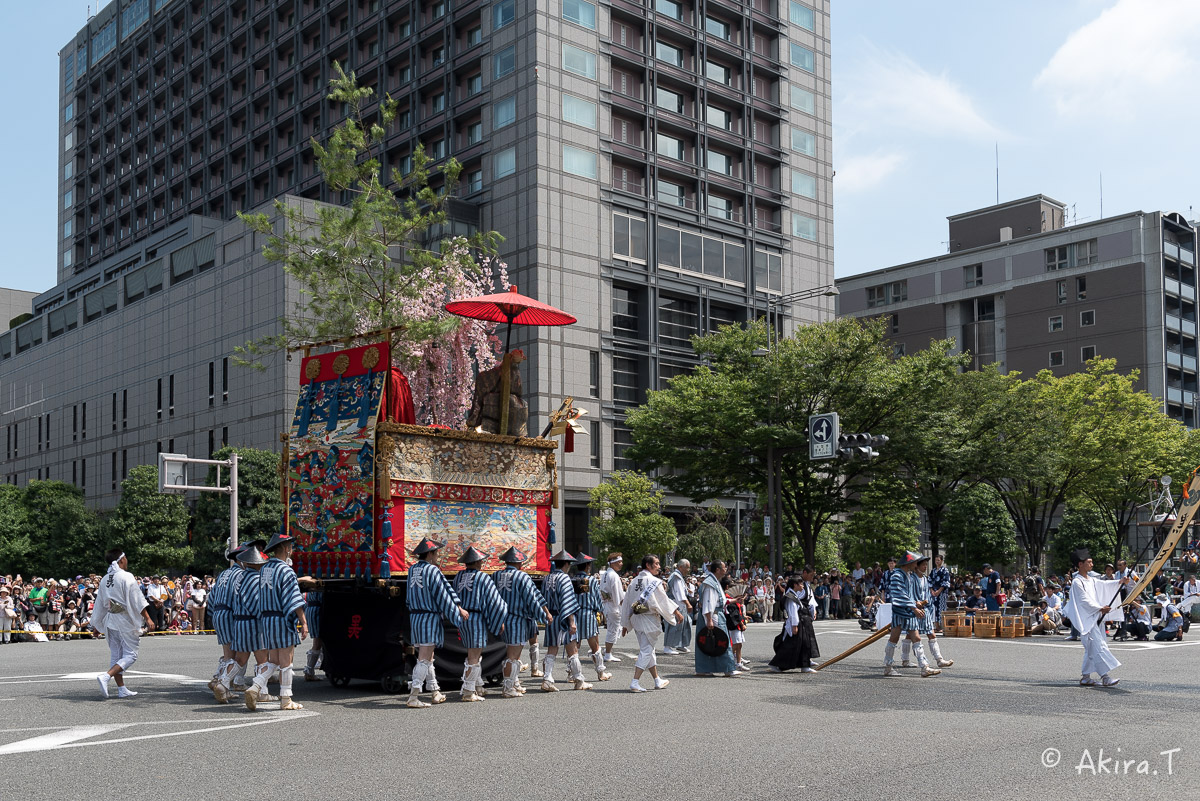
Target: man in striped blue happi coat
{"points": [[590, 604], [312, 613], [563, 632], [907, 614], [526, 608], [245, 638], [430, 598], [218, 601], [478, 594], [281, 608], [922, 593]]}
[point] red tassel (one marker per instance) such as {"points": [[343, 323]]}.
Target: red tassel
{"points": [[569, 445]]}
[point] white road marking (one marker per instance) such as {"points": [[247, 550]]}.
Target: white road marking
{"points": [[91, 676], [67, 738]]}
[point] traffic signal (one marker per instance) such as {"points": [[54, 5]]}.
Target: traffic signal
{"points": [[860, 446]]}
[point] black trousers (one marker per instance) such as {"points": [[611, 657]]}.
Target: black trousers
{"points": [[157, 614]]}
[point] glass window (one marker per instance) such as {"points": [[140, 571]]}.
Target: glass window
{"points": [[668, 244], [580, 12], [718, 72], [67, 229], [803, 100], [625, 315], [504, 162], [678, 321], [666, 145], [69, 112], [578, 61], [68, 169], [104, 41], [437, 103], [578, 111], [1056, 258], [67, 199], [69, 141], [133, 16], [804, 184], [802, 15], [718, 117], [474, 133], [804, 227], [1087, 353], [803, 58], [1056, 358], [735, 263], [629, 237], [668, 53], [691, 252], [1056, 323], [504, 61], [714, 257], [804, 142], [715, 27], [474, 84], [719, 162], [474, 36], [720, 207], [578, 161], [503, 12], [666, 99], [475, 181], [504, 112], [669, 8]]}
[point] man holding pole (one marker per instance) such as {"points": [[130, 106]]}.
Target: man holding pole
{"points": [[1088, 605]]}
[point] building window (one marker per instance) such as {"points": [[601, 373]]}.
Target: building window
{"points": [[595, 461], [721, 207], [804, 184], [715, 27], [578, 61], [578, 161], [624, 316], [894, 322], [580, 12], [67, 227], [171, 395], [212, 383], [504, 162], [629, 237], [1087, 318], [504, 61], [973, 275], [1060, 288], [717, 72], [1087, 353], [802, 57], [670, 193], [225, 380], [804, 142], [1086, 252], [578, 111], [882, 295], [668, 53], [666, 99], [667, 145], [1056, 258], [503, 13], [719, 162], [67, 199], [804, 227], [898, 349], [504, 112], [802, 100], [802, 15], [1056, 323], [474, 133], [678, 322], [1056, 358], [475, 181], [474, 36], [669, 8], [718, 118], [1081, 288], [437, 103], [474, 84], [768, 271], [594, 373]]}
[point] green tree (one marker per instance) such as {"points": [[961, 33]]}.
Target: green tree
{"points": [[709, 431], [829, 554], [705, 536], [363, 266], [260, 511], [979, 530], [16, 545], [627, 517], [884, 525], [1082, 526], [68, 537], [150, 526]]}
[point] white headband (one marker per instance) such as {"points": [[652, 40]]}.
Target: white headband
{"points": [[616, 559]]}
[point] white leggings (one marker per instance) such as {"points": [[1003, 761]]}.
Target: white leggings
{"points": [[122, 648], [612, 622], [646, 658]]}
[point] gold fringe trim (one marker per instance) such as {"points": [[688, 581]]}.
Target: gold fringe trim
{"points": [[473, 436]]}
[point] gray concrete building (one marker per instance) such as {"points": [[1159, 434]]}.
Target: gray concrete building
{"points": [[1022, 288], [656, 169]]}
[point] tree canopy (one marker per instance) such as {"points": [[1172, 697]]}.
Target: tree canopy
{"points": [[149, 526], [627, 517]]}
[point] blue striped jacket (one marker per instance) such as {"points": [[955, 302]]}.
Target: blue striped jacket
{"points": [[219, 599], [428, 591], [900, 593], [560, 596], [480, 597], [520, 594]]}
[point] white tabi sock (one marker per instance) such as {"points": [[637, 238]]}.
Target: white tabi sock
{"points": [[575, 668], [263, 674], [431, 682], [548, 668], [919, 652], [285, 681], [936, 650], [889, 653], [310, 661], [418, 677], [598, 660], [477, 676], [468, 678], [221, 663], [231, 670], [244, 669], [905, 650], [535, 654]]}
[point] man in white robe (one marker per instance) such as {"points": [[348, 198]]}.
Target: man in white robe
{"points": [[1088, 606], [679, 635], [1191, 595], [612, 593], [119, 613], [643, 609]]}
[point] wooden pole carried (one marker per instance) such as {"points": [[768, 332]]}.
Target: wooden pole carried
{"points": [[856, 648]]}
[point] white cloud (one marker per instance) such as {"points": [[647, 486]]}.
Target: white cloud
{"points": [[859, 173], [888, 90], [1132, 55]]}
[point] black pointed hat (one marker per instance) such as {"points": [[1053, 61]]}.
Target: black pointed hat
{"points": [[562, 556], [426, 545], [471, 556], [251, 555], [277, 539], [513, 557], [712, 642], [910, 558], [1080, 555], [583, 560]]}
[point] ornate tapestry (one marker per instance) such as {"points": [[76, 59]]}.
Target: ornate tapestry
{"points": [[491, 528]]}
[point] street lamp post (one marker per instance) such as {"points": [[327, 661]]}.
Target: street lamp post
{"points": [[774, 505]]}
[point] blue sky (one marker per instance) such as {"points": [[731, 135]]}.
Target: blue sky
{"points": [[923, 93]]}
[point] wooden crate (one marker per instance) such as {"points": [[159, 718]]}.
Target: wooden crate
{"points": [[1009, 626], [954, 619], [985, 624]]}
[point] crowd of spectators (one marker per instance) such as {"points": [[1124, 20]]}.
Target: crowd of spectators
{"points": [[43, 609]]}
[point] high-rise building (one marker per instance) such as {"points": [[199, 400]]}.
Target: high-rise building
{"points": [[658, 168], [1022, 288]]}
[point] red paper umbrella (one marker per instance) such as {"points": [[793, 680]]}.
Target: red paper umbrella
{"points": [[509, 307]]}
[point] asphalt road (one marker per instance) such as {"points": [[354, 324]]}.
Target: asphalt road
{"points": [[985, 729]]}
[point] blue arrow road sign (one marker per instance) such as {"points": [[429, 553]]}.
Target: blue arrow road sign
{"points": [[822, 435]]}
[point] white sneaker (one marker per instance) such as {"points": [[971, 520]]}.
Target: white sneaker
{"points": [[660, 683], [634, 687], [611, 658], [125, 692], [683, 649], [102, 679], [734, 673], [670, 651]]}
